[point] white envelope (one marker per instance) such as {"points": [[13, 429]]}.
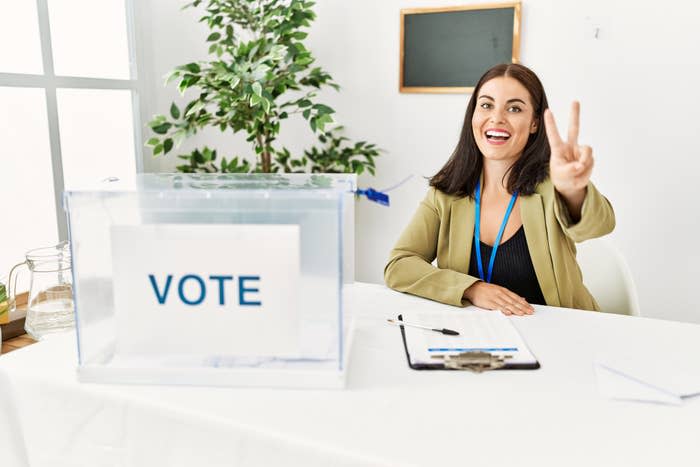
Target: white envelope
{"points": [[648, 376]]}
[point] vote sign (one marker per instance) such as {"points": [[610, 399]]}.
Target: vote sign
{"points": [[206, 290]]}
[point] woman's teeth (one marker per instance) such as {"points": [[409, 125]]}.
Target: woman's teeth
{"points": [[497, 135]]}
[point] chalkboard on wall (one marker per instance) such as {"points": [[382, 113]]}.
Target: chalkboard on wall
{"points": [[446, 50]]}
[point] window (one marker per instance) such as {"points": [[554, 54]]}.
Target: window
{"points": [[68, 112]]}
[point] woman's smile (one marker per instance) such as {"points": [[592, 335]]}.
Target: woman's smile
{"points": [[497, 136]]}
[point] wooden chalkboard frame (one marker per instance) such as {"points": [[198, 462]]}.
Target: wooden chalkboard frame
{"points": [[516, 6]]}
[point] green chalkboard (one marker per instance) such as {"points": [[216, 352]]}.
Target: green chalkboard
{"points": [[448, 49]]}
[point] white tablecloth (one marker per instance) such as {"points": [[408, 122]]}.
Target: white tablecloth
{"points": [[387, 415]]}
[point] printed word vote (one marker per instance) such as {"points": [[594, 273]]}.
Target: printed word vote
{"points": [[192, 289]]}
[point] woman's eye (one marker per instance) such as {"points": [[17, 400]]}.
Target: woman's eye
{"points": [[485, 105], [514, 109]]}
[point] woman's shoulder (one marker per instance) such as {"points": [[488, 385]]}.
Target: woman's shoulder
{"points": [[438, 201], [439, 197], [545, 188]]}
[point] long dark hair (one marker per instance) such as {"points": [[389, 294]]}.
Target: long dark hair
{"points": [[463, 169]]}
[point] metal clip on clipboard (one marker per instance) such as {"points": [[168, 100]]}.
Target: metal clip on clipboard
{"points": [[476, 362]]}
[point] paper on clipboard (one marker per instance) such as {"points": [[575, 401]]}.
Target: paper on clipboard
{"points": [[480, 330]]}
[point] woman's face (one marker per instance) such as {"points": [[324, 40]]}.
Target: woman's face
{"points": [[503, 119]]}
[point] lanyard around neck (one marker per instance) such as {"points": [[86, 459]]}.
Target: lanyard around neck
{"points": [[477, 225]]}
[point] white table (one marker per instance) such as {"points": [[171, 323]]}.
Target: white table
{"points": [[388, 415]]}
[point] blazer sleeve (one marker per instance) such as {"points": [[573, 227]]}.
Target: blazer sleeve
{"points": [[409, 268], [597, 216]]}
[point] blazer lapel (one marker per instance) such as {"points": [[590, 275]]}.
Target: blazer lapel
{"points": [[463, 212], [532, 214], [461, 234]]}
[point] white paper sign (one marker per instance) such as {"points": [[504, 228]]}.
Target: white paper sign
{"points": [[194, 289]]}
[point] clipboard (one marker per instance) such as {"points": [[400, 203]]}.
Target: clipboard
{"points": [[472, 361]]}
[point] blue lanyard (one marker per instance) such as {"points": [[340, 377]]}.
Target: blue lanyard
{"points": [[477, 225]]}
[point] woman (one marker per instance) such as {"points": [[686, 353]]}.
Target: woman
{"points": [[512, 182]]}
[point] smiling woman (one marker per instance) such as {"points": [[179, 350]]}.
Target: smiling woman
{"points": [[511, 186]]}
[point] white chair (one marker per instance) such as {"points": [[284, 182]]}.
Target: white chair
{"points": [[13, 452], [607, 276]]}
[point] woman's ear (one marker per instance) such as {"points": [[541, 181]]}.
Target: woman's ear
{"points": [[533, 126]]}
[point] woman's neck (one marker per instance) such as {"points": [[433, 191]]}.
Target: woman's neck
{"points": [[496, 176]]}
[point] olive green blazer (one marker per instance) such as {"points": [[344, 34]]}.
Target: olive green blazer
{"points": [[443, 229]]}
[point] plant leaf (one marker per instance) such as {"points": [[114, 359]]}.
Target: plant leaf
{"points": [[173, 75], [162, 128], [193, 68], [323, 109], [167, 145]]}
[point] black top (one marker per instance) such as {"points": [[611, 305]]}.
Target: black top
{"points": [[512, 268]]}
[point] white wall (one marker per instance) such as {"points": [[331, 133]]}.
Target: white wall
{"points": [[640, 103]]}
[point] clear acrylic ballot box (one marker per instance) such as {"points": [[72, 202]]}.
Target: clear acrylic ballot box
{"points": [[211, 279]]}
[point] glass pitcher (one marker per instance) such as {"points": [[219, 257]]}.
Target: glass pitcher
{"points": [[50, 303]]}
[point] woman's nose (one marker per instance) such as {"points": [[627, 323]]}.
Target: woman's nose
{"points": [[498, 116]]}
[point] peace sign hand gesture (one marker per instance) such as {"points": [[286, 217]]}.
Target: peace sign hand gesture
{"points": [[570, 165]]}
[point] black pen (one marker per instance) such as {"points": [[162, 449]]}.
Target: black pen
{"points": [[448, 332]]}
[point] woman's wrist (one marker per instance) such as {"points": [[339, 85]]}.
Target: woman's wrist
{"points": [[469, 291], [574, 201]]}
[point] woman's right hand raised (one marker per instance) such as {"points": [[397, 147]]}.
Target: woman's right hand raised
{"points": [[495, 297]]}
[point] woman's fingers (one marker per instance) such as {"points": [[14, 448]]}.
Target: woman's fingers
{"points": [[522, 304], [585, 156], [505, 310], [586, 164], [574, 123], [564, 150], [524, 307], [575, 174], [495, 297], [515, 304], [570, 170], [515, 301], [509, 309], [550, 127]]}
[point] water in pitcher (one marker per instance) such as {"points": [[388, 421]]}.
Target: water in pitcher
{"points": [[49, 316]]}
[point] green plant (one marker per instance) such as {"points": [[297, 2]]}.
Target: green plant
{"points": [[4, 306], [260, 74], [334, 156]]}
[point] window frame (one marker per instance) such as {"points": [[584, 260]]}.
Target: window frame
{"points": [[50, 82]]}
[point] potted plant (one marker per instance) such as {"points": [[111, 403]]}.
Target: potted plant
{"points": [[260, 74]]}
